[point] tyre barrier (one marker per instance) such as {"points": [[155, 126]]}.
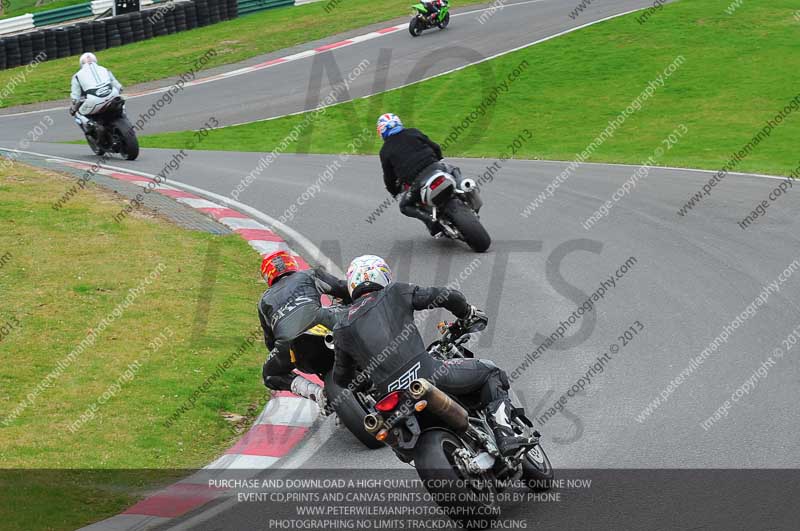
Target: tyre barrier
{"points": [[169, 21], [213, 12], [125, 30], [50, 45], [62, 43], [98, 35], [25, 49], [191, 15], [180, 18], [13, 58], [75, 40], [87, 36], [99, 31], [147, 28], [137, 25]]}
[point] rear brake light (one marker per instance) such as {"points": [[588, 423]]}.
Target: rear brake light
{"points": [[437, 182], [388, 402]]}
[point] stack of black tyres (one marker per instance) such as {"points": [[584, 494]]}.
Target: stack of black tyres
{"points": [[13, 57], [75, 40], [99, 31], [87, 34], [159, 26], [147, 26], [25, 49], [213, 12], [125, 30], [202, 13], [180, 17], [37, 46], [112, 33], [50, 45], [137, 25], [191, 14], [54, 43], [233, 8], [62, 43], [169, 21]]}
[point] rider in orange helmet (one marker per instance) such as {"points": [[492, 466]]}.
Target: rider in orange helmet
{"points": [[288, 308]]}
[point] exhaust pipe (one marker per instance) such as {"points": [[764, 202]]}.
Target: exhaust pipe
{"points": [[329, 341], [468, 185], [372, 423], [440, 404]]}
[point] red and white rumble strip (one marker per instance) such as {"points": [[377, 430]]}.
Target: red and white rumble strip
{"points": [[280, 427]]}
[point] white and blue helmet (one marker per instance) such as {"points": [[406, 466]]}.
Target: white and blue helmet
{"points": [[389, 124], [368, 271]]}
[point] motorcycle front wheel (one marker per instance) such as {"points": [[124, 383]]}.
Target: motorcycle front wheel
{"points": [[415, 27], [93, 144], [445, 21], [537, 470], [468, 224], [462, 498]]}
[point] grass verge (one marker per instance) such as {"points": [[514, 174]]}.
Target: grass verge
{"points": [[15, 8], [62, 273], [233, 40], [739, 71]]}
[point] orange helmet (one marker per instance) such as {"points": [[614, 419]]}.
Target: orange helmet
{"points": [[278, 264]]}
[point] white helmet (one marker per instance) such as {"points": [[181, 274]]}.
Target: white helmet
{"points": [[87, 58], [368, 269]]}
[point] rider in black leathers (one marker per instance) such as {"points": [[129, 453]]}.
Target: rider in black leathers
{"points": [[378, 335], [409, 157], [287, 309]]}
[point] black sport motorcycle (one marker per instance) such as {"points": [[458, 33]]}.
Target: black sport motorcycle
{"points": [[450, 442], [454, 202], [110, 131]]}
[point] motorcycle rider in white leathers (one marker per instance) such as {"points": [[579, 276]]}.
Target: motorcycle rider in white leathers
{"points": [[93, 88]]}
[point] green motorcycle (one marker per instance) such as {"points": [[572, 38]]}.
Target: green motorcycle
{"points": [[424, 18]]}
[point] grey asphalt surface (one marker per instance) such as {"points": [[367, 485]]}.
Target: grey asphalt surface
{"points": [[692, 276], [394, 60]]}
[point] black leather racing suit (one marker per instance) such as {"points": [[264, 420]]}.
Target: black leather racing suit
{"points": [[378, 336], [289, 308], [407, 158]]}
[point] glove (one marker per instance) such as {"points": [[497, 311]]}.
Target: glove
{"points": [[476, 315], [72, 111]]}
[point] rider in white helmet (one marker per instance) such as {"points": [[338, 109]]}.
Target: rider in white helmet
{"points": [[93, 87], [378, 334]]}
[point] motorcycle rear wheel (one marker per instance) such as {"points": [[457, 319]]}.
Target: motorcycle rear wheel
{"points": [[126, 135], [468, 224], [436, 467], [415, 27]]}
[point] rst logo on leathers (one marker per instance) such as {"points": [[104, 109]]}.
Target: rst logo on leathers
{"points": [[407, 377]]}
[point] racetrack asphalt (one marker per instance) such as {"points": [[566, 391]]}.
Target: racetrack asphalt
{"points": [[692, 275]]}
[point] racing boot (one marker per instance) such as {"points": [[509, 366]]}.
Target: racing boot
{"points": [[508, 441]]}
